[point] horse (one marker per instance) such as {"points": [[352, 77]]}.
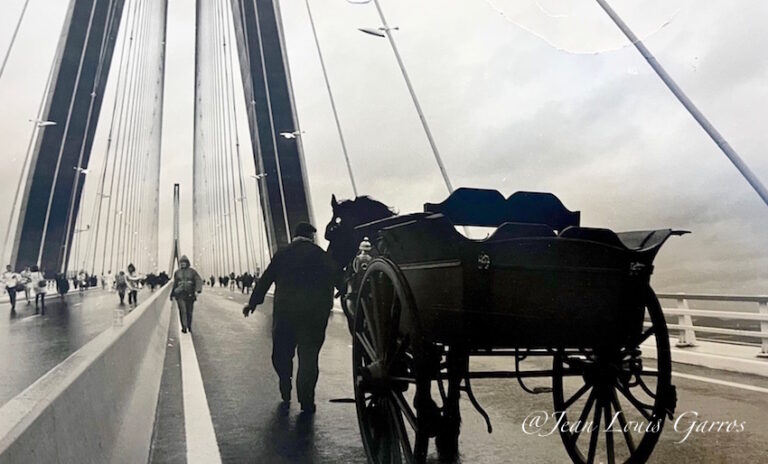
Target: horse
{"points": [[348, 214]]}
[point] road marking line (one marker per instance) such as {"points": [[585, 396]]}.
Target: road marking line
{"points": [[726, 383], [201, 438], [25, 319]]}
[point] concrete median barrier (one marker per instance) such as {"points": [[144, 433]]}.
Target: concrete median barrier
{"points": [[98, 405]]}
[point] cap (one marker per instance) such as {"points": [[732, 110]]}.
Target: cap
{"points": [[304, 229]]}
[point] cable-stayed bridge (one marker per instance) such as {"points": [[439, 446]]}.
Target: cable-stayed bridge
{"points": [[129, 386]]}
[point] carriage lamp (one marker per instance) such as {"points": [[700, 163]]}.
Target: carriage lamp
{"points": [[363, 257]]}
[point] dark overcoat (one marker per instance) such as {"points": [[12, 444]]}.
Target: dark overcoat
{"points": [[304, 276]]}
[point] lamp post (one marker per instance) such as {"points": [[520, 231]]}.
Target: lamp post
{"points": [[386, 31]]}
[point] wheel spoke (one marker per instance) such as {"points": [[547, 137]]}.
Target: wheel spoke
{"points": [[583, 417], [403, 406], [595, 433], [405, 442], [608, 433], [645, 388], [366, 344], [371, 323], [576, 396], [394, 327], [639, 405], [623, 422]]}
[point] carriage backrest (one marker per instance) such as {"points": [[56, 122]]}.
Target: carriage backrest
{"points": [[488, 208]]}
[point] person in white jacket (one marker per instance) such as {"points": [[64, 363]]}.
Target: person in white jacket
{"points": [[133, 279]]}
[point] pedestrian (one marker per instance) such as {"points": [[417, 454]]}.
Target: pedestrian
{"points": [[247, 282], [213, 281], [82, 281], [26, 281], [109, 281], [304, 277], [40, 288], [133, 279], [186, 284], [121, 284], [62, 284], [11, 281]]}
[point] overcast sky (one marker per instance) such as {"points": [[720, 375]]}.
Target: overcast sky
{"points": [[540, 95]]}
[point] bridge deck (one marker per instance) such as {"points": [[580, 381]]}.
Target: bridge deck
{"points": [[241, 390]]}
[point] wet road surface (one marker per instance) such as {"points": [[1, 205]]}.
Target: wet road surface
{"points": [[251, 426], [31, 345]]}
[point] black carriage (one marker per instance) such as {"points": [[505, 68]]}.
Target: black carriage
{"points": [[423, 299]]}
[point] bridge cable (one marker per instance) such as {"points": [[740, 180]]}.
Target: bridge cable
{"points": [[120, 96], [138, 157], [331, 99], [725, 147], [133, 153], [122, 119], [223, 225], [225, 138], [13, 38], [234, 130], [126, 133]]}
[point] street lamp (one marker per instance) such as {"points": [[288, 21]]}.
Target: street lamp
{"points": [[386, 31], [41, 123], [291, 135]]}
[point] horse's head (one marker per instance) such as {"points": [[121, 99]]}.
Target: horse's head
{"points": [[347, 214]]}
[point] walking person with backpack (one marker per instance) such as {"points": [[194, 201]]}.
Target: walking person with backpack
{"points": [[186, 284]]}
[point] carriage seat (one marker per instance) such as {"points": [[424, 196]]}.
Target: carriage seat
{"points": [[488, 208]]}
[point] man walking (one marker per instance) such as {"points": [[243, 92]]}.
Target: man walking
{"points": [[186, 283], [304, 277], [11, 280]]}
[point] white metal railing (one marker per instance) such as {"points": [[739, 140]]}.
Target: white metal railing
{"points": [[685, 325]]}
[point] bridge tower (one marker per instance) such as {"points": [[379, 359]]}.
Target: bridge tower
{"points": [[62, 151], [284, 190]]}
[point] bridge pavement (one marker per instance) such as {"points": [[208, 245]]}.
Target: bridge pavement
{"points": [[31, 345], [249, 426]]}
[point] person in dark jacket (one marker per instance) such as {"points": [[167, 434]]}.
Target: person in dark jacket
{"points": [[304, 277], [186, 284]]}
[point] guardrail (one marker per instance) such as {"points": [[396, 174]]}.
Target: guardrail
{"points": [[98, 405], [685, 323]]}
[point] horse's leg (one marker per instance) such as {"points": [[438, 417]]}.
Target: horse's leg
{"points": [[427, 411], [447, 440]]}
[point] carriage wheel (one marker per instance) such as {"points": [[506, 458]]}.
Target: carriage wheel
{"points": [[614, 408], [385, 368]]}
